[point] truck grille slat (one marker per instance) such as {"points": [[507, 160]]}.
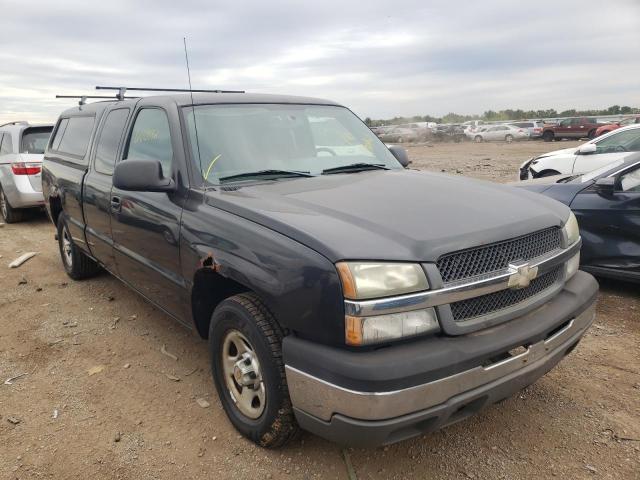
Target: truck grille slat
{"points": [[497, 256], [494, 302]]}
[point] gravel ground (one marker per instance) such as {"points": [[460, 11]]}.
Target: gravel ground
{"points": [[100, 399]]}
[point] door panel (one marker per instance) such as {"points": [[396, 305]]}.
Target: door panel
{"points": [[610, 228], [563, 129], [97, 188], [591, 161], [146, 225]]}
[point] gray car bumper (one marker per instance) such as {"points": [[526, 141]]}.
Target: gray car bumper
{"points": [[368, 418], [20, 192]]}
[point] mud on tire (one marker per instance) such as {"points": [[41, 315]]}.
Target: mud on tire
{"points": [[246, 319]]}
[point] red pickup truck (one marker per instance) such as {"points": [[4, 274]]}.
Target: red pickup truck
{"points": [[571, 128]]}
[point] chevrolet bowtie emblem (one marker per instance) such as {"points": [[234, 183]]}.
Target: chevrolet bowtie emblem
{"points": [[522, 274]]}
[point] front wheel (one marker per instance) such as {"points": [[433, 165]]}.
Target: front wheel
{"points": [[591, 135], [548, 136], [9, 214], [478, 139], [245, 342], [508, 138]]}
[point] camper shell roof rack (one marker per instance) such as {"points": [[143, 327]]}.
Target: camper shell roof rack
{"points": [[84, 98], [123, 90]]}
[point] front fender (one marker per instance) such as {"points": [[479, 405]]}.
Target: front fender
{"points": [[560, 163], [300, 286]]}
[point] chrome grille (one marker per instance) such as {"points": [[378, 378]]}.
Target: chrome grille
{"points": [[494, 302], [497, 256]]}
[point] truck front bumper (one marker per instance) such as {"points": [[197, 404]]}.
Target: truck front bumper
{"points": [[387, 395]]}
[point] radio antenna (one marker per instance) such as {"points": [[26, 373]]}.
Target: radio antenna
{"points": [[193, 108]]}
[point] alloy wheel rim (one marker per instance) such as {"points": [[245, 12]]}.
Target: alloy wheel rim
{"points": [[66, 248], [243, 375]]}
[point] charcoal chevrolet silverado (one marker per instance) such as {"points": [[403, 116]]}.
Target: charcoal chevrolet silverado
{"points": [[339, 292]]}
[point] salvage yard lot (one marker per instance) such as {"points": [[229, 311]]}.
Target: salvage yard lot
{"points": [[102, 398]]}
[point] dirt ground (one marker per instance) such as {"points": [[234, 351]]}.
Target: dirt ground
{"points": [[100, 400]]}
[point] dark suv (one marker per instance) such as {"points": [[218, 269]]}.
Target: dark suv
{"points": [[339, 292]]}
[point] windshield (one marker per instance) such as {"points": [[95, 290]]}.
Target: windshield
{"points": [[236, 139], [621, 141], [34, 140], [587, 177]]}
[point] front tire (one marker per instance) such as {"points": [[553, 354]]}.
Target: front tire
{"points": [[245, 343], [508, 138], [76, 263], [478, 139], [548, 136], [9, 214]]}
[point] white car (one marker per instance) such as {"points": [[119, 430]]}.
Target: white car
{"points": [[21, 150], [508, 133], [591, 155]]}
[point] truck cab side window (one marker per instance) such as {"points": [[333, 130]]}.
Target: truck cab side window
{"points": [[107, 148], [151, 139], [62, 126], [75, 137]]}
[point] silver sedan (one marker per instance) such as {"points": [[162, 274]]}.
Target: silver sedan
{"points": [[506, 133]]}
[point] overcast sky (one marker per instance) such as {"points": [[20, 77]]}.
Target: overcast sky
{"points": [[382, 58]]}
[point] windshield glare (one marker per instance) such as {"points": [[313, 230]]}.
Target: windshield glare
{"points": [[234, 139]]}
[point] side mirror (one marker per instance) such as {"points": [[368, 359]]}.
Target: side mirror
{"points": [[141, 176], [605, 186], [587, 148], [401, 155]]}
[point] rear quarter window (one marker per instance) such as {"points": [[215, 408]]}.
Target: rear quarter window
{"points": [[72, 137]]}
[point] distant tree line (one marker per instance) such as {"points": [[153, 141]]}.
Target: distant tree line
{"points": [[504, 115]]}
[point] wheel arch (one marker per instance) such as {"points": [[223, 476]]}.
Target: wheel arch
{"points": [[209, 289], [55, 208]]}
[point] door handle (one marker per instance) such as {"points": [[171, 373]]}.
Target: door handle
{"points": [[116, 205]]}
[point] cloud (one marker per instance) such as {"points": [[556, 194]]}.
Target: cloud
{"points": [[382, 59]]}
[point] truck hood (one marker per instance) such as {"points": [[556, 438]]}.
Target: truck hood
{"points": [[402, 215]]}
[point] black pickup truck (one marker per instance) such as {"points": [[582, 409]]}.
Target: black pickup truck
{"points": [[339, 291]]}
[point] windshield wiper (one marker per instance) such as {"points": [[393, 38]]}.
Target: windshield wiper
{"points": [[355, 167], [266, 173]]}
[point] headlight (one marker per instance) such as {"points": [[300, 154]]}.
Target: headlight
{"points": [[571, 230], [362, 280], [370, 330]]}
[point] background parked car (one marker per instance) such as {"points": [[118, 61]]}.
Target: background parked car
{"points": [[580, 127], [591, 155], [21, 150], [507, 133], [533, 127], [449, 132], [399, 135], [610, 127], [607, 205], [421, 129]]}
